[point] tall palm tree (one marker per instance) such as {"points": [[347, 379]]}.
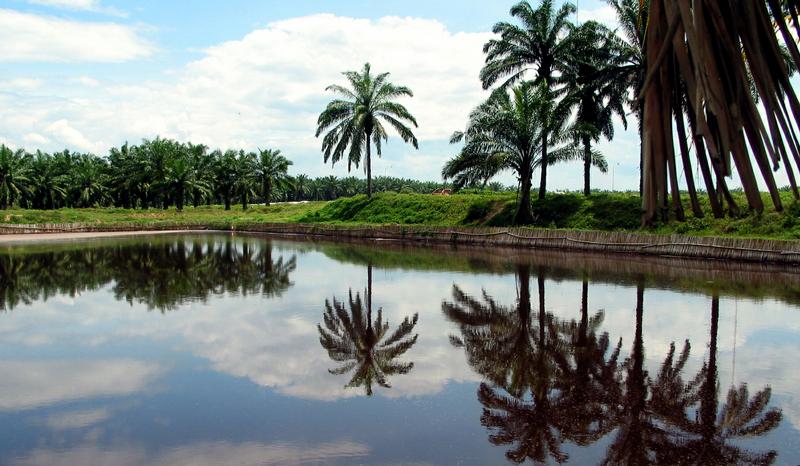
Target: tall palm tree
{"points": [[181, 179], [362, 345], [632, 19], [599, 88], [14, 175], [504, 133], [540, 44], [90, 181], [271, 172], [357, 119]]}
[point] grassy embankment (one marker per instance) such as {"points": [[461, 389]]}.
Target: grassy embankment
{"points": [[602, 211]]}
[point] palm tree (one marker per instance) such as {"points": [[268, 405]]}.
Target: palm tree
{"points": [[90, 181], [540, 43], [225, 175], [599, 88], [14, 175], [361, 344], [504, 133], [301, 187], [47, 184], [357, 120], [271, 172], [180, 178], [245, 176]]}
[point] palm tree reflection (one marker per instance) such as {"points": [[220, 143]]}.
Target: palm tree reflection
{"points": [[706, 438], [161, 273], [523, 359], [361, 345], [549, 381]]}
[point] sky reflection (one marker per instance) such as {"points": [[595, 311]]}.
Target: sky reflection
{"points": [[222, 362]]}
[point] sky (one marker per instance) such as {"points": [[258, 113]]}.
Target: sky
{"points": [[87, 75]]}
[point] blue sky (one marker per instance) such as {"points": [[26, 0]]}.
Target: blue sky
{"points": [[91, 74]]}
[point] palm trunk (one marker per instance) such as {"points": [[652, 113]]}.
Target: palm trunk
{"points": [[587, 166], [267, 192], [369, 164], [179, 199], [584, 325], [524, 214], [545, 161], [244, 201], [227, 200]]}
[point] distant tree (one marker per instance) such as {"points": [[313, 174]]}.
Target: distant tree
{"points": [[271, 172], [14, 173], [245, 183], [357, 120]]}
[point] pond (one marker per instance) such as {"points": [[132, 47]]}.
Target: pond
{"points": [[236, 349]]}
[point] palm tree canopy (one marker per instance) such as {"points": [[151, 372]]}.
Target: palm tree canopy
{"points": [[362, 112], [537, 44]]}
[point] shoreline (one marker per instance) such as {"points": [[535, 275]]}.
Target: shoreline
{"points": [[616, 243]]}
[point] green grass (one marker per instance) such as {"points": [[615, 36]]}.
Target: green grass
{"points": [[601, 211]]}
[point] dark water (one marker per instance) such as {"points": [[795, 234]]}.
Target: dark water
{"points": [[222, 349]]}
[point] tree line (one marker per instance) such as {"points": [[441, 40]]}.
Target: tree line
{"points": [[162, 173]]}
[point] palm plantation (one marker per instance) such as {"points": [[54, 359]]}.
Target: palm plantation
{"points": [[358, 119]]}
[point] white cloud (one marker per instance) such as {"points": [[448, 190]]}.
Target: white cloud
{"points": [[61, 130], [31, 384], [268, 88], [31, 37]]}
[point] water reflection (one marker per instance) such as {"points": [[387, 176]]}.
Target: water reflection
{"points": [[549, 382], [162, 273], [361, 345]]}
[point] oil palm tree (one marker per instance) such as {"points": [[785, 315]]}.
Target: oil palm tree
{"points": [[180, 177], [225, 175], [540, 44], [245, 183], [505, 133], [14, 175], [271, 172], [363, 346], [90, 181], [47, 184], [357, 119], [599, 88]]}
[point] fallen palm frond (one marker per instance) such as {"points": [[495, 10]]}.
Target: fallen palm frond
{"points": [[703, 58]]}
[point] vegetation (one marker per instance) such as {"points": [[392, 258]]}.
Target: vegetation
{"points": [[357, 121], [602, 211]]}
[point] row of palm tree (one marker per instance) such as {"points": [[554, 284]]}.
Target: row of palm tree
{"points": [[155, 173], [161, 173]]}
